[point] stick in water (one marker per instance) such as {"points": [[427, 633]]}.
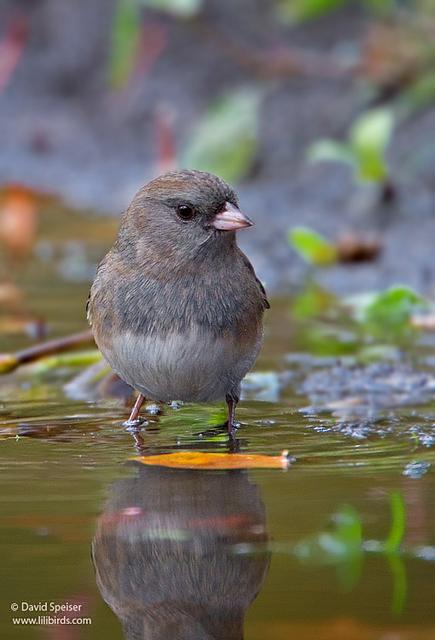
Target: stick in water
{"points": [[10, 361]]}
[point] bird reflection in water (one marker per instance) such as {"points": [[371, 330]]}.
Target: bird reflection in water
{"points": [[165, 553]]}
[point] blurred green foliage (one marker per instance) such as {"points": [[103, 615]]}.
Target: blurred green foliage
{"points": [[125, 41], [398, 523], [365, 150], [312, 301], [312, 246], [343, 545], [367, 326], [225, 140], [387, 314], [126, 31], [419, 95], [302, 10]]}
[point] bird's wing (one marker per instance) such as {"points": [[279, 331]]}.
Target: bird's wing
{"points": [[266, 304], [88, 311]]}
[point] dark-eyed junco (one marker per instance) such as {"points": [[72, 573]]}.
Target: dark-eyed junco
{"points": [[176, 307]]}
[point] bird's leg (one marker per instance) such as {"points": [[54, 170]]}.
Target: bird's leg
{"points": [[232, 404], [134, 415]]}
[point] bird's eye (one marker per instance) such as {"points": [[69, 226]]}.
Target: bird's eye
{"points": [[185, 212]]}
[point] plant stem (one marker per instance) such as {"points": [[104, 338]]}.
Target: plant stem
{"points": [[10, 361]]}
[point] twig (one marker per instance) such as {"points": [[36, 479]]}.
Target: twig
{"points": [[10, 361]]}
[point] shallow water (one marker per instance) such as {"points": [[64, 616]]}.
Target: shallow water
{"points": [[201, 554]]}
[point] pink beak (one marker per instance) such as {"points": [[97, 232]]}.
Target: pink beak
{"points": [[231, 219]]}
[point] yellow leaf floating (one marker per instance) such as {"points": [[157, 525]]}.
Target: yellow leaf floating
{"points": [[201, 460]]}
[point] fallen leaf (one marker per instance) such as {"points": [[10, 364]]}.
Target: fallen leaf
{"points": [[201, 460], [225, 140], [312, 246]]}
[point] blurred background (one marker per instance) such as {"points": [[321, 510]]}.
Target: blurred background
{"points": [[320, 111], [322, 114]]}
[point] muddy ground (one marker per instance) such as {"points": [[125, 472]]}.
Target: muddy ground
{"points": [[64, 131]]}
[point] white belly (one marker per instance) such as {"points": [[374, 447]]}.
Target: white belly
{"points": [[193, 366]]}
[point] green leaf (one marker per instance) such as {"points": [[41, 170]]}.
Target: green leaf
{"points": [[420, 94], [381, 8], [313, 247], [301, 10], [393, 306], [331, 150], [312, 302], [369, 138], [373, 130], [365, 151], [179, 8], [225, 140], [125, 42]]}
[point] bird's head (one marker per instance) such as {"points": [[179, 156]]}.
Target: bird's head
{"points": [[181, 211]]}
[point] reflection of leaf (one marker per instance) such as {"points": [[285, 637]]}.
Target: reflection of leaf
{"points": [[179, 8], [225, 140], [392, 548], [313, 247], [125, 42], [400, 583], [398, 523], [341, 547], [200, 460]]}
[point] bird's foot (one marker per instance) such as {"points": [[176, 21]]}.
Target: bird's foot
{"points": [[134, 424], [231, 427]]}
